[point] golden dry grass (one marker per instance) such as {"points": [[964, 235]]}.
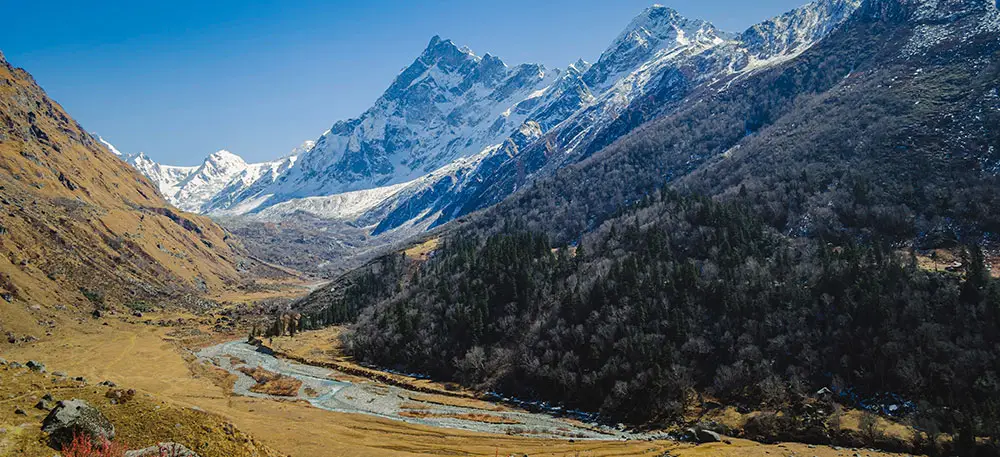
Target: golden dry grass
{"points": [[460, 402], [142, 358], [140, 422], [423, 250], [270, 383], [473, 417], [413, 405], [744, 448], [322, 348], [851, 420], [943, 260]]}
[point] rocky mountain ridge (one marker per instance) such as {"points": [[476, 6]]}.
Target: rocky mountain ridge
{"points": [[456, 132]]}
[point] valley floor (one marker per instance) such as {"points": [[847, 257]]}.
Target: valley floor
{"points": [[160, 363]]}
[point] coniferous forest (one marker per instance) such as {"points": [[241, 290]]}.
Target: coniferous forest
{"points": [[684, 294]]}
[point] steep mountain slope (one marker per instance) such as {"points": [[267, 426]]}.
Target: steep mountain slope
{"points": [[657, 86], [456, 132], [824, 171], [79, 227], [864, 93], [448, 104], [658, 60]]}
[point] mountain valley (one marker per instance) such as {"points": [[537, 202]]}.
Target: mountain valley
{"points": [[782, 241]]}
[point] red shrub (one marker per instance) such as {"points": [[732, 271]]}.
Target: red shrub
{"points": [[83, 446]]}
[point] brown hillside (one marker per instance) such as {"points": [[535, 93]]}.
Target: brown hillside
{"points": [[80, 228]]}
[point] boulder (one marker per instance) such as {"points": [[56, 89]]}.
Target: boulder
{"points": [[76, 417], [44, 405], [120, 396], [36, 366], [168, 449], [702, 435], [707, 436]]}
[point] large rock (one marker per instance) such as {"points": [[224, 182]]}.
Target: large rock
{"points": [[707, 436], [702, 435], [76, 417], [163, 449]]}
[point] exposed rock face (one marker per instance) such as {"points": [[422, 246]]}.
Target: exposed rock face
{"points": [[286, 324], [163, 449], [76, 417], [702, 435]]}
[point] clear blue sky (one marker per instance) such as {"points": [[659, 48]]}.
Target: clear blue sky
{"points": [[180, 79]]}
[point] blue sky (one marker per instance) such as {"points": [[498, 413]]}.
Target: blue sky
{"points": [[181, 79]]}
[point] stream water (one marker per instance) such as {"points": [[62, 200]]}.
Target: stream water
{"points": [[326, 389]]}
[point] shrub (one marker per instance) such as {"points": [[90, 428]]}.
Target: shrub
{"points": [[870, 428], [95, 296], [83, 446], [139, 306]]}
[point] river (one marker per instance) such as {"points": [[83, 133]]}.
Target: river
{"points": [[326, 389]]}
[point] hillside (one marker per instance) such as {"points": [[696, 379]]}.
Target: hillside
{"points": [[80, 229], [608, 287]]}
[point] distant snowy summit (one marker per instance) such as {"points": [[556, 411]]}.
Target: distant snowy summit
{"points": [[194, 188], [456, 131]]}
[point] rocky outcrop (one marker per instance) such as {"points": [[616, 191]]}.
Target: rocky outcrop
{"points": [[286, 324], [163, 449], [702, 435], [76, 418]]}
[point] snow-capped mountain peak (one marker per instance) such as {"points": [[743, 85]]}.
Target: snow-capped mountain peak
{"points": [[222, 163], [448, 104], [455, 131], [222, 175], [303, 148], [657, 29], [796, 29]]}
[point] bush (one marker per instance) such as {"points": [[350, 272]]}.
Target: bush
{"points": [[95, 296], [83, 446], [139, 306], [870, 429]]}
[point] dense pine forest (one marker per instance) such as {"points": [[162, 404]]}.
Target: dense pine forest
{"points": [[682, 295]]}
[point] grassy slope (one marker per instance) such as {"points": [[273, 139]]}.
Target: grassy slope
{"points": [[75, 216]]}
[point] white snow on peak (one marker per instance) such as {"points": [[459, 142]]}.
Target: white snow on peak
{"points": [[303, 148], [108, 145], [658, 30], [192, 188], [449, 118], [448, 104]]}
